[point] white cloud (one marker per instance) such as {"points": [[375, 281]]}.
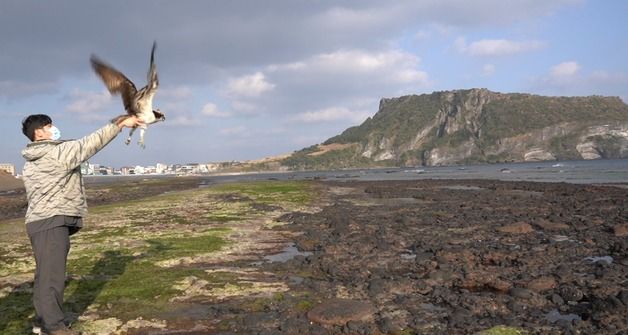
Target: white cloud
{"points": [[234, 131], [181, 121], [210, 109], [288, 30], [249, 86], [243, 107], [176, 93], [10, 88], [565, 69], [497, 47], [568, 78], [422, 35], [307, 140], [91, 105], [488, 69], [604, 77], [350, 61], [392, 66], [332, 114]]}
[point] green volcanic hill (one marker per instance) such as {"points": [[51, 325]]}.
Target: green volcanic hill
{"points": [[475, 126]]}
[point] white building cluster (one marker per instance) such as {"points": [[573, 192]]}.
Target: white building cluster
{"points": [[90, 169], [8, 167]]}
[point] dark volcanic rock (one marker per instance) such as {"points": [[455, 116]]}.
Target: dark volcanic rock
{"points": [[460, 257], [522, 293], [516, 228], [542, 284], [571, 293], [623, 296], [341, 311], [551, 226], [621, 229]]}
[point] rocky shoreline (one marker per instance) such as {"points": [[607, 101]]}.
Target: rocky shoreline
{"points": [[13, 202], [460, 257], [342, 257]]}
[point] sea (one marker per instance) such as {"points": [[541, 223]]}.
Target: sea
{"points": [[603, 171]]}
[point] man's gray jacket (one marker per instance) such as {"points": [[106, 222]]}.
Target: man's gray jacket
{"points": [[52, 174]]}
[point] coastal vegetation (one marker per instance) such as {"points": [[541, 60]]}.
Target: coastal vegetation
{"points": [[136, 259], [476, 126]]}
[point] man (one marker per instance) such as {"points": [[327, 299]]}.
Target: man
{"points": [[56, 205]]}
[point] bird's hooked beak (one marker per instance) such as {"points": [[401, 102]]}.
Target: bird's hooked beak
{"points": [[160, 116]]}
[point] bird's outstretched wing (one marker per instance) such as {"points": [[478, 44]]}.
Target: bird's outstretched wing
{"points": [[153, 81], [116, 82]]}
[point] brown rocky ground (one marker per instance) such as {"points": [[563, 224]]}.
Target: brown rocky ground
{"points": [[416, 257], [13, 197], [453, 257]]}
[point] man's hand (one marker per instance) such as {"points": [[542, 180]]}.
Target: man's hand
{"points": [[127, 121]]}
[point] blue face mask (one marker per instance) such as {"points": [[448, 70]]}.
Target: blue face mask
{"points": [[56, 133]]}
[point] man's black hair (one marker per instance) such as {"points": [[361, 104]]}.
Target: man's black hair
{"points": [[32, 122]]}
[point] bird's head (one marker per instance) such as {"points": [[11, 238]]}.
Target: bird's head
{"points": [[159, 115]]}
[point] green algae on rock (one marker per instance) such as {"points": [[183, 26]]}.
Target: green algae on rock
{"points": [[132, 257], [503, 330]]}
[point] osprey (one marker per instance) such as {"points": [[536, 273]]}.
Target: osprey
{"points": [[138, 103]]}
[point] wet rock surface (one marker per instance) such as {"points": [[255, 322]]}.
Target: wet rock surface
{"points": [[459, 257], [407, 257], [13, 202], [341, 311]]}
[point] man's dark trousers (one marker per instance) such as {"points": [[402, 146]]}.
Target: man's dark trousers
{"points": [[51, 247]]}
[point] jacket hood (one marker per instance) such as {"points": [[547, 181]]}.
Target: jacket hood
{"points": [[37, 150]]}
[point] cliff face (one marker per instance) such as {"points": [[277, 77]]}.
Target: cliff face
{"points": [[457, 122], [477, 125]]}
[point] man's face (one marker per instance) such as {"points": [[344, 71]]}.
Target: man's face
{"points": [[43, 133]]}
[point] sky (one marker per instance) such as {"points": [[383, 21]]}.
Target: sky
{"points": [[244, 80]]}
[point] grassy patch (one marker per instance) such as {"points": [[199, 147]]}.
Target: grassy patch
{"points": [[224, 217], [129, 284], [503, 330], [115, 261], [143, 289], [176, 247], [16, 310], [304, 305], [273, 192]]}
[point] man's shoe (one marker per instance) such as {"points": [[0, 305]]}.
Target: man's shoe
{"points": [[38, 324]]}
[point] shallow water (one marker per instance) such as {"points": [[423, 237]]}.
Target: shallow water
{"points": [[607, 259], [603, 171], [462, 188], [554, 315], [576, 172], [288, 253]]}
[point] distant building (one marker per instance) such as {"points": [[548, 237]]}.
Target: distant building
{"points": [[161, 168], [127, 170], [95, 168], [186, 169], [10, 168], [105, 171], [87, 168], [212, 167]]}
